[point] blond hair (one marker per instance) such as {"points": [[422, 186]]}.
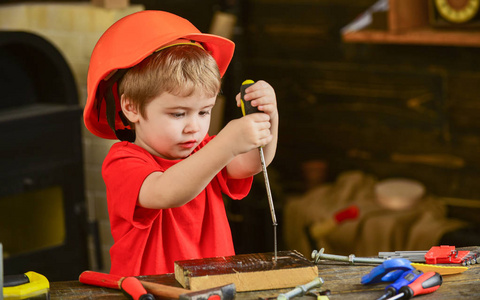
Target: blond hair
{"points": [[180, 70]]}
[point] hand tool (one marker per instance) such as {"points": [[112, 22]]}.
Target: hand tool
{"points": [[446, 255], [28, 285], [443, 270], [413, 256], [319, 295], [427, 283], [301, 289], [389, 270], [436, 255], [406, 278], [247, 109], [471, 258], [130, 286], [318, 255]]}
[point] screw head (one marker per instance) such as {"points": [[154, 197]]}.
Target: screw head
{"points": [[316, 255]]}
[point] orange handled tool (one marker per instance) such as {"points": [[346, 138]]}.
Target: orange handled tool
{"points": [[138, 288], [129, 285]]}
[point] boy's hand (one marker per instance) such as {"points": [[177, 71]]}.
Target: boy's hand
{"points": [[262, 96], [247, 133]]}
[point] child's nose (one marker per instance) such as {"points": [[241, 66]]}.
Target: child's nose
{"points": [[193, 125]]}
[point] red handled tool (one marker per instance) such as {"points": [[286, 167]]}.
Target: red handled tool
{"points": [[427, 283], [443, 254], [130, 285], [405, 279], [138, 288]]}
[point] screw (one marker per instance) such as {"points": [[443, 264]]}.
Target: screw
{"points": [[301, 289], [317, 255]]}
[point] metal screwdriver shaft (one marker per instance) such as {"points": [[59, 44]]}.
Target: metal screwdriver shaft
{"points": [[270, 200], [247, 108]]}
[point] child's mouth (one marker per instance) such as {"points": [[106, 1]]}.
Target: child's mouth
{"points": [[188, 145]]}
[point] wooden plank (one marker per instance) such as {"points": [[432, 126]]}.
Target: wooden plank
{"points": [[249, 272], [420, 36], [408, 23]]}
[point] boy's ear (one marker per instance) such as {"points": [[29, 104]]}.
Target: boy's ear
{"points": [[129, 109]]}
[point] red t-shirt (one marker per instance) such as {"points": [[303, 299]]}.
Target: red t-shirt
{"points": [[149, 241]]}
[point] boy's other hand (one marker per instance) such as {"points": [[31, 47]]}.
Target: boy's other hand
{"points": [[262, 95]]}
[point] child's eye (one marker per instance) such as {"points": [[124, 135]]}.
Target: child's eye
{"points": [[204, 112], [177, 115]]}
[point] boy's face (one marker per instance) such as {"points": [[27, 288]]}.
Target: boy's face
{"points": [[173, 125]]}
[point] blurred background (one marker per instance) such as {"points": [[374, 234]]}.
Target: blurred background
{"points": [[379, 128]]}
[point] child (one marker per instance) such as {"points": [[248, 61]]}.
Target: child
{"points": [[152, 82]]}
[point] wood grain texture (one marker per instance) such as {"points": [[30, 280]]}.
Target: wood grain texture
{"points": [[249, 272], [342, 279]]}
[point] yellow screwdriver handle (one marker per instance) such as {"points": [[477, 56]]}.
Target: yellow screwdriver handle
{"points": [[247, 107]]}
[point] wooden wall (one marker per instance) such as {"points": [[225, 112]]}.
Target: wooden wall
{"points": [[388, 110]]}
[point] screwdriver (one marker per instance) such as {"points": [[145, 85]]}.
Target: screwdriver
{"points": [[247, 109], [427, 283], [405, 279]]}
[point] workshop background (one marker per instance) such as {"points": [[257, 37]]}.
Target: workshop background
{"points": [[353, 114]]}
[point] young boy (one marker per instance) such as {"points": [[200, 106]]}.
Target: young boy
{"points": [[152, 82]]}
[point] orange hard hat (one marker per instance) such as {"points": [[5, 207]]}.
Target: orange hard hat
{"points": [[125, 44]]}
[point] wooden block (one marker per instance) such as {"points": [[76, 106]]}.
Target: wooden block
{"points": [[249, 272], [407, 15], [111, 4]]}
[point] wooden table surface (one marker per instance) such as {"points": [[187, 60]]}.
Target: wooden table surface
{"points": [[343, 280]]}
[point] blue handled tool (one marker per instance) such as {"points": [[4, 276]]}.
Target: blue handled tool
{"points": [[390, 270], [404, 280]]}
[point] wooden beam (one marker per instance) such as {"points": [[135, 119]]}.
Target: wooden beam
{"points": [[249, 272]]}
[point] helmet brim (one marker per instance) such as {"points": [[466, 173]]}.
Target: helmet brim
{"points": [[132, 44]]}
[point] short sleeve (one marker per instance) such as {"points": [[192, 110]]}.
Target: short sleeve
{"points": [[124, 171], [234, 188]]}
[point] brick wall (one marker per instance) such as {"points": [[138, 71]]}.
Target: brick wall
{"points": [[74, 29]]}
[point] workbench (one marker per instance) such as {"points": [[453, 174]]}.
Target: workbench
{"points": [[342, 279]]}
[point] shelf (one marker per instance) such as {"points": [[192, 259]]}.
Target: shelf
{"points": [[421, 36], [408, 22]]}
